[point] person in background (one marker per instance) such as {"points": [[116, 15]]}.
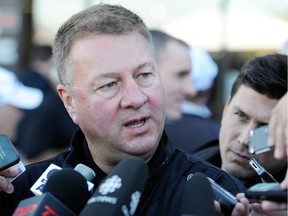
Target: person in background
{"points": [[111, 87], [15, 98], [261, 83], [39, 71], [46, 131], [172, 56], [196, 127]]}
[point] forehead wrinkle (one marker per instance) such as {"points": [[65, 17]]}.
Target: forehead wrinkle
{"points": [[107, 75], [144, 65], [115, 74]]}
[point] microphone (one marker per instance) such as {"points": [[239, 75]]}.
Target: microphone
{"points": [[198, 198], [38, 186], [69, 187], [65, 193], [225, 198], [119, 193], [45, 204], [85, 171], [60, 196], [88, 174]]}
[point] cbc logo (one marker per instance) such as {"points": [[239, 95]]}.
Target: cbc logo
{"points": [[110, 185]]}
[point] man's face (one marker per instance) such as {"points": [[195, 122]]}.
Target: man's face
{"points": [[175, 66], [117, 99], [244, 112]]}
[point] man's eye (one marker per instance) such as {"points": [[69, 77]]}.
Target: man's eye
{"points": [[109, 85], [108, 90], [241, 115], [145, 75], [183, 74]]}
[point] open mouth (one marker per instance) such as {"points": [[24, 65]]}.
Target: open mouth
{"points": [[135, 124]]}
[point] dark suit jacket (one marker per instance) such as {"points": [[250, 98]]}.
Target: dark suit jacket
{"points": [[192, 132]]}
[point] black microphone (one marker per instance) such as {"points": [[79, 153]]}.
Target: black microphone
{"points": [[69, 187], [65, 193], [45, 204], [225, 198], [119, 193], [198, 197]]}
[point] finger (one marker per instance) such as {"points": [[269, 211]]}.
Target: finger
{"points": [[10, 172], [5, 185], [239, 210], [280, 146], [239, 196], [273, 206], [217, 208]]}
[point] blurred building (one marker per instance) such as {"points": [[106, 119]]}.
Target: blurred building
{"points": [[15, 33]]}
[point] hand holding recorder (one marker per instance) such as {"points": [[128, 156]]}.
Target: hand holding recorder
{"points": [[278, 140], [10, 164]]}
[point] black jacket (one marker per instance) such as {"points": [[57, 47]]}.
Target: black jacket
{"points": [[168, 171], [192, 132]]}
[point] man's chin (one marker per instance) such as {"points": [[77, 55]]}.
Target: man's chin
{"points": [[142, 149], [238, 172]]}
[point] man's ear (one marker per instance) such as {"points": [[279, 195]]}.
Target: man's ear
{"points": [[67, 100]]}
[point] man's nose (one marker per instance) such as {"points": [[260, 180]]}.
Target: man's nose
{"points": [[189, 88], [133, 96], [244, 137]]}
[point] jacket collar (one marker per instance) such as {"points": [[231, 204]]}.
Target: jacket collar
{"points": [[80, 154]]}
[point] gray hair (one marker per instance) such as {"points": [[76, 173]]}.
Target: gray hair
{"points": [[96, 20]]}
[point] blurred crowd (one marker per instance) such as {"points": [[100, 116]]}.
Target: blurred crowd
{"points": [[32, 114]]}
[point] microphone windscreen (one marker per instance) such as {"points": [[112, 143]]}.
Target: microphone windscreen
{"points": [[45, 204], [69, 187], [198, 197], [86, 171], [119, 193]]}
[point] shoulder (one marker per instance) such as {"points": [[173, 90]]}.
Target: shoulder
{"points": [[33, 171], [210, 152], [189, 164]]}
